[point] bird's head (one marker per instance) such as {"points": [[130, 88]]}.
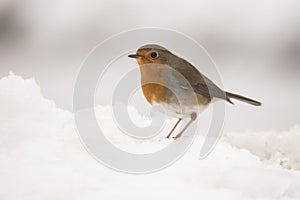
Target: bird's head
{"points": [[151, 54]]}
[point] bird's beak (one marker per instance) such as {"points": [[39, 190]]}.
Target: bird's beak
{"points": [[136, 56]]}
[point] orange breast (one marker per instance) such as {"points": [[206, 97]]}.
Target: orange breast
{"points": [[154, 93], [153, 79]]}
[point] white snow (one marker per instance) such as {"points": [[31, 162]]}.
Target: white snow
{"points": [[271, 146], [41, 157]]}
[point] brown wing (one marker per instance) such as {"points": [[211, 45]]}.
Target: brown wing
{"points": [[200, 83]]}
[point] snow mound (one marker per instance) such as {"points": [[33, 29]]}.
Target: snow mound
{"points": [[41, 157], [281, 148]]}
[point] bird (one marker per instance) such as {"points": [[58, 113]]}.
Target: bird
{"points": [[173, 82]]}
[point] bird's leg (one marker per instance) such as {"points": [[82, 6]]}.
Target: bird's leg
{"points": [[179, 120], [193, 118]]}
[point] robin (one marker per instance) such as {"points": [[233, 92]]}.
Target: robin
{"points": [[156, 63]]}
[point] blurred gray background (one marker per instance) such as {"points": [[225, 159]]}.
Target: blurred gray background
{"points": [[255, 44]]}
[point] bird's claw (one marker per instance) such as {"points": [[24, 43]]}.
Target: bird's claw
{"points": [[177, 137]]}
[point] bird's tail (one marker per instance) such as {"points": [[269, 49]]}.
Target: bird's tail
{"points": [[230, 96]]}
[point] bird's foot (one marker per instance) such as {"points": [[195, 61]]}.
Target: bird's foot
{"points": [[177, 136]]}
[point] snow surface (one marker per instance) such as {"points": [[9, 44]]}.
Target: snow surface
{"points": [[41, 157], [281, 148]]}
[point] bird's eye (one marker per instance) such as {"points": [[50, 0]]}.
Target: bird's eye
{"points": [[154, 55]]}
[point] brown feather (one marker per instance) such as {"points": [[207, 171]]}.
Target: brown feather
{"points": [[243, 99]]}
